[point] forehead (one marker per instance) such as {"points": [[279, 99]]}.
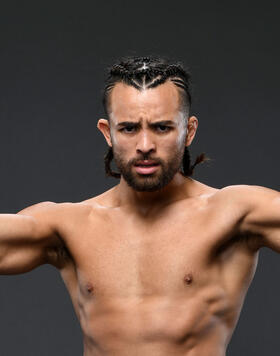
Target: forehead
{"points": [[130, 102]]}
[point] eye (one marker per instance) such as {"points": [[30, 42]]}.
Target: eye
{"points": [[128, 129], [163, 128]]}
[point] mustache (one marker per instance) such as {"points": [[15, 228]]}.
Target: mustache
{"points": [[133, 161]]}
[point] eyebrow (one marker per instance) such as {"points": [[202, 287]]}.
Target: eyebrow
{"points": [[137, 124]]}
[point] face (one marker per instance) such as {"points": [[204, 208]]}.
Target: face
{"points": [[148, 134]]}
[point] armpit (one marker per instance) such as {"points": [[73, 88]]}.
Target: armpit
{"points": [[58, 256], [254, 242]]}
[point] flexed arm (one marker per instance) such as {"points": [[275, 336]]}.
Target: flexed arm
{"points": [[26, 237], [261, 214]]}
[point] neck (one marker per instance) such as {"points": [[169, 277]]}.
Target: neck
{"points": [[145, 202]]}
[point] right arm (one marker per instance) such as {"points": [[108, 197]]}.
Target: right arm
{"points": [[27, 237]]}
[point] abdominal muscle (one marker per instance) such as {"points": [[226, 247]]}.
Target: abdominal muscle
{"points": [[155, 325]]}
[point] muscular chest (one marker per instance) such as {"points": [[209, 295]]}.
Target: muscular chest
{"points": [[132, 257]]}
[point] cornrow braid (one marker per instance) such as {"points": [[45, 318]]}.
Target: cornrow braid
{"points": [[187, 168], [147, 72], [108, 159]]}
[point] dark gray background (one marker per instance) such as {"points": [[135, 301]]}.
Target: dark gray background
{"points": [[52, 60]]}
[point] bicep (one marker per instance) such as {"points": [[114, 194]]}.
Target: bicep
{"points": [[25, 238], [263, 216]]}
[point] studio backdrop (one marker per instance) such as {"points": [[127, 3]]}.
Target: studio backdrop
{"points": [[53, 57]]}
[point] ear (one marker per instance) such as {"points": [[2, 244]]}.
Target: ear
{"points": [[104, 126], [192, 127]]}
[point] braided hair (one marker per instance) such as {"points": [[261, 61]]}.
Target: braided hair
{"points": [[144, 73]]}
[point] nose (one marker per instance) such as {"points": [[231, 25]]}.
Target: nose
{"points": [[145, 143]]}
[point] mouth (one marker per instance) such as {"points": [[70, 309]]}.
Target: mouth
{"points": [[146, 167]]}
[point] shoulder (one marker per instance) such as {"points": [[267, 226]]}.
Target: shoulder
{"points": [[242, 195], [51, 209], [54, 213], [246, 200], [247, 194]]}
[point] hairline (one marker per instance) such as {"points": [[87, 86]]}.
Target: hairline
{"points": [[183, 107]]}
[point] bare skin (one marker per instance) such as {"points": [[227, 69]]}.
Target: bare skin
{"points": [[149, 273]]}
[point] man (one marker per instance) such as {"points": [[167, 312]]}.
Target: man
{"points": [[159, 264]]}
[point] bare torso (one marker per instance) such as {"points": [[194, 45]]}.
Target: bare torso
{"points": [[165, 283]]}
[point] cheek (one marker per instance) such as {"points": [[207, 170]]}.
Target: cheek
{"points": [[170, 147], [177, 141], [119, 140], [121, 148], [113, 138], [180, 141], [181, 131], [123, 145]]}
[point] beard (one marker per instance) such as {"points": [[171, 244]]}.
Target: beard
{"points": [[156, 180]]}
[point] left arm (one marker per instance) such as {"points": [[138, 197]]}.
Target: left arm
{"points": [[262, 217]]}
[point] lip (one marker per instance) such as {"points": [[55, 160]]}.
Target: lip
{"points": [[146, 162], [146, 170]]}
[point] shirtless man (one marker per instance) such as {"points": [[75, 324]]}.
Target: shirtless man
{"points": [[160, 264]]}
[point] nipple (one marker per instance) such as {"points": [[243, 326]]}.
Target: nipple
{"points": [[89, 288], [188, 278]]}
